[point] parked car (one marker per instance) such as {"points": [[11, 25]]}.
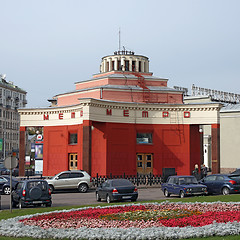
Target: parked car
{"points": [[183, 186], [5, 184], [222, 183], [236, 172], [34, 192], [75, 179], [116, 190]]}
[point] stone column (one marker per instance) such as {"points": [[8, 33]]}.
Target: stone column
{"points": [[123, 63], [105, 65], [201, 134], [147, 65], [115, 63], [136, 65], [110, 64], [87, 146], [130, 64], [215, 148], [143, 65], [22, 151]]}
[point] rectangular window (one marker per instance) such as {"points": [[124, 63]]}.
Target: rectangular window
{"points": [[144, 138], [73, 138]]}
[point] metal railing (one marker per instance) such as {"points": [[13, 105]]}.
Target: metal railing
{"points": [[138, 179]]}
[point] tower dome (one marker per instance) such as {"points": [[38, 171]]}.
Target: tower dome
{"points": [[125, 61]]}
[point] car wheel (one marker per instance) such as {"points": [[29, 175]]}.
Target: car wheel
{"points": [[98, 197], [83, 188], [20, 204], [6, 190], [181, 194], [225, 191], [108, 199], [51, 188], [47, 204], [166, 193]]}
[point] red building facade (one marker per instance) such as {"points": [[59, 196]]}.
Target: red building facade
{"points": [[123, 120]]}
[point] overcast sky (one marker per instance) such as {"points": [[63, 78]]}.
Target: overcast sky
{"points": [[48, 45]]}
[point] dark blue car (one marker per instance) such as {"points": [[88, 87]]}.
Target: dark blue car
{"points": [[183, 186], [222, 183]]}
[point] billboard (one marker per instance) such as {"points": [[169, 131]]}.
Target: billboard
{"points": [[39, 151], [38, 166]]}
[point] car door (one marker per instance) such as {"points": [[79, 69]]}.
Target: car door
{"points": [[75, 178], [209, 182], [169, 184], [104, 190], [176, 187], [62, 181], [218, 183]]}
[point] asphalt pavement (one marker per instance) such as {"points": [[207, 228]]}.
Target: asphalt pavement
{"points": [[74, 198]]}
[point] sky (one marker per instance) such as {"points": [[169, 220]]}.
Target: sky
{"points": [[48, 45]]}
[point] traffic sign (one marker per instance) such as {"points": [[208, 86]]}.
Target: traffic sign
{"points": [[11, 162]]}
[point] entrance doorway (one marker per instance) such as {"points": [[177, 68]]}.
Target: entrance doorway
{"points": [[72, 161], [144, 163]]}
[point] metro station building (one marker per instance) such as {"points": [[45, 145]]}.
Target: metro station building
{"points": [[123, 120]]}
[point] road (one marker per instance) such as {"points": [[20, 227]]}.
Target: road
{"points": [[77, 199]]}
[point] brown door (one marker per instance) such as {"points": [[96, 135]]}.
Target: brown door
{"points": [[73, 161], [144, 163]]}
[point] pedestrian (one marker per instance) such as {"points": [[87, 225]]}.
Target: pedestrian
{"points": [[204, 171], [195, 172]]}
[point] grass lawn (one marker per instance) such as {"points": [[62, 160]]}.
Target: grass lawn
{"points": [[4, 214]]}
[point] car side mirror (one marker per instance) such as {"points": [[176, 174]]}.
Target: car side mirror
{"points": [[56, 178]]}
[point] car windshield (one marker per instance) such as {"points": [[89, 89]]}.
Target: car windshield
{"points": [[188, 180], [121, 182]]}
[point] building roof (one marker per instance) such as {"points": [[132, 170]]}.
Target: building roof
{"points": [[11, 86], [123, 87], [123, 76], [231, 108]]}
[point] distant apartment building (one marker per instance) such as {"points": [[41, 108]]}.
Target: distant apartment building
{"points": [[11, 98]]}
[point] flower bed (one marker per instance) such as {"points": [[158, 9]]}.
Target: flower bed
{"points": [[133, 221]]}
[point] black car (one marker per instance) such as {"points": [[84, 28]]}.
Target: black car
{"points": [[5, 184], [222, 183], [117, 190], [31, 192]]}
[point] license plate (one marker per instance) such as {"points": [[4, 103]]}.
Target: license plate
{"points": [[36, 202], [125, 197]]}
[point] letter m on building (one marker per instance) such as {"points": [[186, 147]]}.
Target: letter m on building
{"points": [[45, 117], [109, 112], [145, 114]]}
